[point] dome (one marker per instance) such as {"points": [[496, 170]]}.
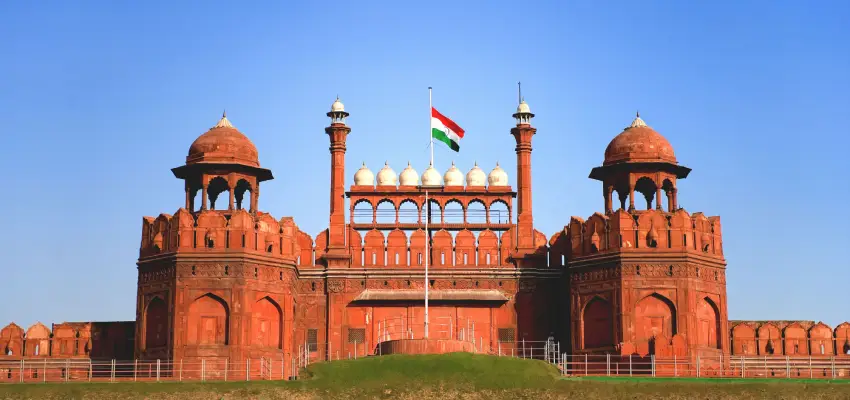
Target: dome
{"points": [[337, 106], [386, 176], [523, 108], [431, 177], [453, 176], [476, 177], [408, 177], [223, 143], [364, 177], [497, 177], [639, 143]]}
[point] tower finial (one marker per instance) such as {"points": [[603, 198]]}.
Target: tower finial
{"points": [[519, 91], [223, 122], [638, 122]]}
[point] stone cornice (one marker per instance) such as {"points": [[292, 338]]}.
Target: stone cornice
{"points": [[207, 257], [366, 273], [645, 257]]}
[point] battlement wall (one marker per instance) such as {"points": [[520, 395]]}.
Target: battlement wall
{"points": [[649, 229], [791, 338], [219, 231], [112, 340]]}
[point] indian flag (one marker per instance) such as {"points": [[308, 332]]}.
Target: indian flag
{"points": [[445, 130]]}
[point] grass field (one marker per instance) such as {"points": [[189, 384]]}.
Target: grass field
{"points": [[450, 376]]}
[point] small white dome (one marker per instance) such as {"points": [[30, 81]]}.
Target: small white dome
{"points": [[476, 177], [453, 176], [431, 177], [337, 106], [523, 108], [364, 177], [497, 177], [408, 177], [386, 176]]}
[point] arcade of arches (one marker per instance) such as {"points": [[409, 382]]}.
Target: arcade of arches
{"points": [[221, 279]]}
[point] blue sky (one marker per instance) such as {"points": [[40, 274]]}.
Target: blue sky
{"points": [[100, 99]]}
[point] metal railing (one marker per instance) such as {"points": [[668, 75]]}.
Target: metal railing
{"points": [[720, 366], [85, 370], [450, 215]]}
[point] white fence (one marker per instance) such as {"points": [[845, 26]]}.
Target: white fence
{"points": [[799, 367]]}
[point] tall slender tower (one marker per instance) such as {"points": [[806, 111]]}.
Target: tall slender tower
{"points": [[337, 132], [523, 132]]}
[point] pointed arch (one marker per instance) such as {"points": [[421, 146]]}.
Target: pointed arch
{"points": [[795, 339], [267, 323], [363, 211], [708, 324], [385, 212], [209, 321], [156, 323], [842, 338], [647, 188], [37, 340], [743, 340], [432, 207], [408, 212], [215, 188], [242, 186], [597, 323], [476, 212], [453, 212], [821, 340], [499, 212], [770, 339], [655, 316]]}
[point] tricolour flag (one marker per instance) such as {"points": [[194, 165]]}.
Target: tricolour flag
{"points": [[445, 130]]}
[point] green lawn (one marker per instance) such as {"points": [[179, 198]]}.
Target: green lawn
{"points": [[450, 376]]}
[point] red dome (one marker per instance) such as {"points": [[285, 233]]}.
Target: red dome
{"points": [[639, 143], [223, 144]]}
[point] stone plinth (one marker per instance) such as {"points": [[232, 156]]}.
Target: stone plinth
{"points": [[424, 346]]}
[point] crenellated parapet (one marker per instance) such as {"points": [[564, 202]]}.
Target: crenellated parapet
{"points": [[647, 230], [219, 231], [68, 340], [789, 338]]}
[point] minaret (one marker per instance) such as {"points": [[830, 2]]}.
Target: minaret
{"points": [[337, 132], [523, 133]]}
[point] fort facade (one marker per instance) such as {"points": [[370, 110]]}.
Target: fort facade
{"points": [[221, 279]]}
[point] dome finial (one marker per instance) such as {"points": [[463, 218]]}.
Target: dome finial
{"points": [[223, 122], [637, 123]]}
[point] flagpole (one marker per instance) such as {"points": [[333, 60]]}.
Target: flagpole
{"points": [[427, 211]]}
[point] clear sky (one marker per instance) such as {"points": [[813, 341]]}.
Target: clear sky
{"points": [[100, 99]]}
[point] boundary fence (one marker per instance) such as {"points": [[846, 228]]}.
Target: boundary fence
{"points": [[289, 365], [788, 367]]}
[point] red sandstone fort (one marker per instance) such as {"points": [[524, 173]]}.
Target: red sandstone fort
{"points": [[220, 279]]}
